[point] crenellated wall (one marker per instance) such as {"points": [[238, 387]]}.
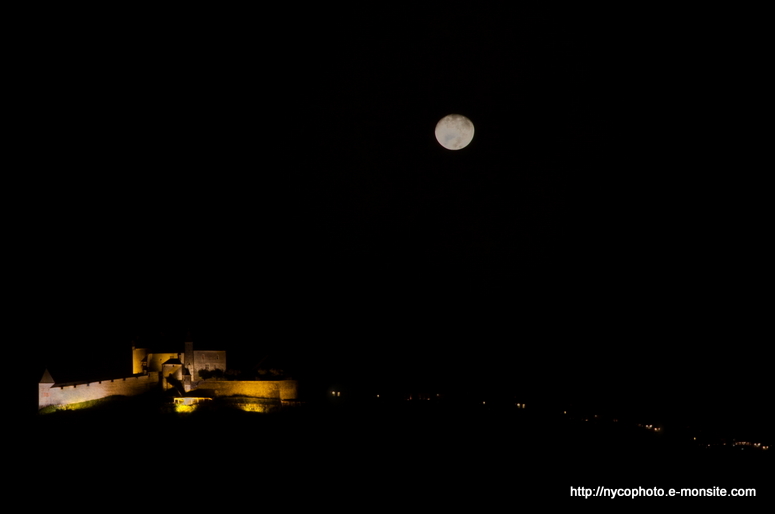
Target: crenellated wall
{"points": [[149, 369], [65, 394]]}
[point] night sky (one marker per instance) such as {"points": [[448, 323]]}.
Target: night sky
{"points": [[275, 181]]}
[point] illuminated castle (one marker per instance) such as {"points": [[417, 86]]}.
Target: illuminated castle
{"points": [[179, 371], [183, 368]]}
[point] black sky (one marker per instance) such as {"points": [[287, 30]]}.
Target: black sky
{"points": [[277, 179]]}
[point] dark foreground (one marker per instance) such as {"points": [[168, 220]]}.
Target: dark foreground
{"points": [[396, 456]]}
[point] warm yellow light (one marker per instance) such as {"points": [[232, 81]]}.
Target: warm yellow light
{"points": [[253, 407]]}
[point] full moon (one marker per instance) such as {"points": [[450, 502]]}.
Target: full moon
{"points": [[454, 131]]}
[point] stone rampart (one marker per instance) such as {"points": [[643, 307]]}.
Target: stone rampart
{"points": [[282, 389], [76, 392]]}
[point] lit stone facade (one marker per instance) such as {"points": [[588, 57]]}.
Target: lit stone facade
{"points": [[165, 370], [195, 361], [51, 393]]}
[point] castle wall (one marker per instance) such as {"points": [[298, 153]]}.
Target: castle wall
{"points": [[289, 390], [282, 389], [205, 360], [53, 394], [156, 360], [174, 371]]}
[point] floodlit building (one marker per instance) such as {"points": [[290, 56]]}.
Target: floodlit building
{"points": [[178, 367], [168, 370]]}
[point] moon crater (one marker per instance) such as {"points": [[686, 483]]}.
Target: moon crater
{"points": [[454, 131]]}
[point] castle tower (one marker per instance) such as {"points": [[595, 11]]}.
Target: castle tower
{"points": [[188, 362], [139, 360], [195, 361], [188, 355], [44, 388]]}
